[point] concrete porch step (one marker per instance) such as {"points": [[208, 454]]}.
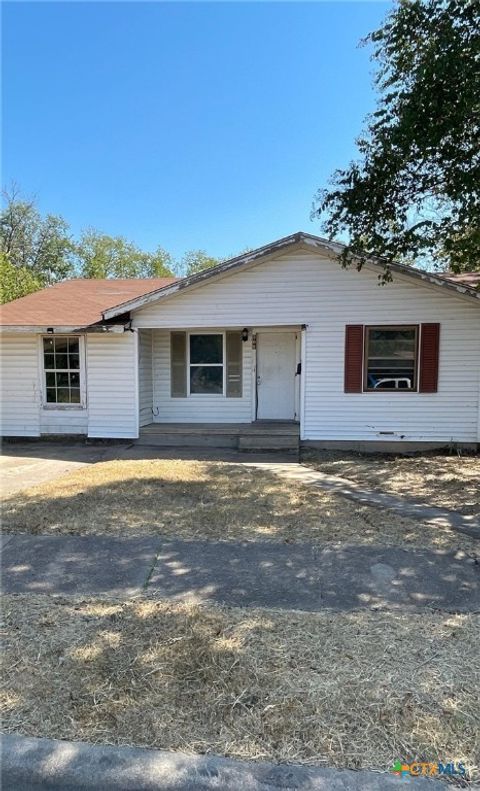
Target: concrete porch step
{"points": [[275, 435], [168, 440], [268, 442]]}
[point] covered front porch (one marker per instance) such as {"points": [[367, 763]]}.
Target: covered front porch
{"points": [[259, 435], [235, 387]]}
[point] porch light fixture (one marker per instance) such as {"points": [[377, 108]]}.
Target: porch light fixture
{"points": [[245, 334]]}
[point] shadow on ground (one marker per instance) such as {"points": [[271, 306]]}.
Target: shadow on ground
{"points": [[248, 574], [195, 499], [346, 691]]}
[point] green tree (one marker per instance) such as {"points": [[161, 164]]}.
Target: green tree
{"points": [[101, 256], [39, 245], [414, 193], [195, 261], [15, 281]]}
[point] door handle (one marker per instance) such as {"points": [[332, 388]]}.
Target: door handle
{"points": [[259, 380]]}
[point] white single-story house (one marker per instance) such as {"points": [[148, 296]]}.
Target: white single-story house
{"points": [[279, 341]]}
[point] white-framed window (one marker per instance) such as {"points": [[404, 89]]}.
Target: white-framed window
{"points": [[391, 358], [63, 364], [206, 363]]}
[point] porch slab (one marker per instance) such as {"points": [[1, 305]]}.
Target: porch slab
{"points": [[259, 435]]}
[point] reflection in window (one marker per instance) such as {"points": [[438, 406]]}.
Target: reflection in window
{"points": [[391, 358], [206, 364]]}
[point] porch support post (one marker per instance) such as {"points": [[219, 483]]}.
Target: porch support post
{"points": [[136, 378], [303, 358]]}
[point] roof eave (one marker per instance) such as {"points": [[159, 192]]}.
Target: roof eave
{"points": [[121, 324], [35, 328], [332, 249]]}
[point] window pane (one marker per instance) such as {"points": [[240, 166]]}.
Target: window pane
{"points": [[51, 395], [48, 345], [389, 376], [49, 360], [391, 358], [75, 395], [61, 361], [61, 345], [392, 343], [73, 345], [74, 380], [206, 348], [206, 379], [63, 395], [74, 361], [50, 379], [62, 380]]}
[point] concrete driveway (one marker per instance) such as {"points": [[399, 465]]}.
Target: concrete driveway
{"points": [[25, 464]]}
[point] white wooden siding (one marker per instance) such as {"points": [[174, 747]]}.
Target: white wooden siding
{"points": [[112, 385], [145, 376], [63, 421], [305, 288], [20, 395], [197, 408]]}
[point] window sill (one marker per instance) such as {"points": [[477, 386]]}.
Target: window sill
{"points": [[206, 395], [63, 407]]}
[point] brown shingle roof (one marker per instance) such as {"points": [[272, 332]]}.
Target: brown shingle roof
{"points": [[75, 303], [471, 279]]}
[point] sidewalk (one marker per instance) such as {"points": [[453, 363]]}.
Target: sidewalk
{"points": [[247, 574]]}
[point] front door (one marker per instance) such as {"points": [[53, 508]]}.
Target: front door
{"points": [[276, 357]]}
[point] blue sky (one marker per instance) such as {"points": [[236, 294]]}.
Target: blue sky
{"points": [[186, 125]]}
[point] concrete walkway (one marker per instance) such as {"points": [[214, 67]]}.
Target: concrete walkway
{"points": [[263, 574], [50, 765], [414, 509]]}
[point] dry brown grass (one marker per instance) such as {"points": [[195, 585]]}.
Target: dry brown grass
{"points": [[447, 481], [217, 501], [353, 690]]}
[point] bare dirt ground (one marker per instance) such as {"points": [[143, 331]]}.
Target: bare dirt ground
{"points": [[353, 690], [211, 500], [446, 481]]}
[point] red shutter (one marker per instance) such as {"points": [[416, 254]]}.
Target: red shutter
{"points": [[429, 346], [353, 358]]}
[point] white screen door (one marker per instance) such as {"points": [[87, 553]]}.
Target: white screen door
{"points": [[276, 375]]}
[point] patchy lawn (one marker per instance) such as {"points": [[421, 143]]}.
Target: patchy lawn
{"points": [[447, 481], [351, 690], [217, 501]]}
